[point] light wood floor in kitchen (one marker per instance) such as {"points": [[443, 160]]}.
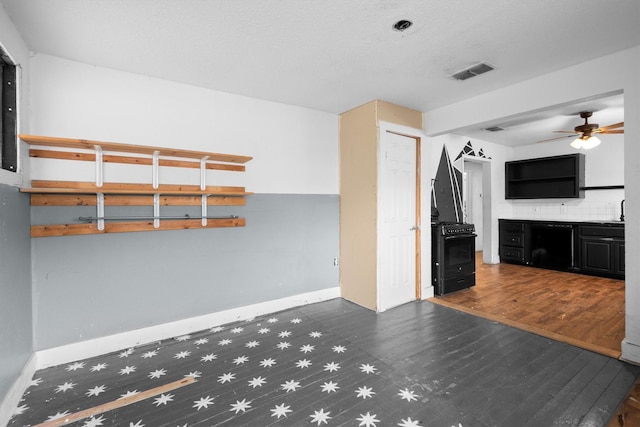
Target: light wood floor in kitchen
{"points": [[584, 311]]}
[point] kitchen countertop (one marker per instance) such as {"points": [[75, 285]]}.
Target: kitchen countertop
{"points": [[608, 223]]}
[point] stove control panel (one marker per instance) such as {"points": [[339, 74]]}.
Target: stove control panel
{"points": [[454, 229]]}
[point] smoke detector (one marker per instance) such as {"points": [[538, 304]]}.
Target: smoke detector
{"points": [[402, 25]]}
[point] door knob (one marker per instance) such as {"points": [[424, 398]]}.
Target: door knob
{"points": [[414, 228]]}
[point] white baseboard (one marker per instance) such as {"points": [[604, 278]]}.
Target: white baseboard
{"points": [[11, 401], [428, 292], [95, 347]]}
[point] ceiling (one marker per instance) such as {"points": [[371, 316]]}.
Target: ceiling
{"points": [[333, 55]]}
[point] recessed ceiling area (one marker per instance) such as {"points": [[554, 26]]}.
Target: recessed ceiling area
{"points": [[532, 127]]}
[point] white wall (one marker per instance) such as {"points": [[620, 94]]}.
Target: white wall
{"points": [[608, 74], [295, 149], [286, 248]]}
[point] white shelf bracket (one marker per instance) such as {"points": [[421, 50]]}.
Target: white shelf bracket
{"points": [[156, 210], [203, 170], [99, 166], [204, 210], [155, 169], [100, 211]]}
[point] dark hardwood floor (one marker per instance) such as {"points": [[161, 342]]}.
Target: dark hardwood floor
{"points": [[581, 310], [337, 364], [584, 311]]}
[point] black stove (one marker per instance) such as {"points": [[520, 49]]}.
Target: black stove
{"points": [[453, 256]]}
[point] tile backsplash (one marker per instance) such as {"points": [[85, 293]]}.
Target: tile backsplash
{"points": [[567, 209]]}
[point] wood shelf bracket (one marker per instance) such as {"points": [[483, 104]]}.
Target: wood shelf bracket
{"points": [[204, 210], [100, 210], [156, 210], [155, 165], [99, 166], [203, 186], [203, 170]]}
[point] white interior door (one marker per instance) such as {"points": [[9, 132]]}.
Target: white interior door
{"points": [[396, 220]]}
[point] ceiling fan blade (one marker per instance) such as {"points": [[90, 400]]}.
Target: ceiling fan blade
{"points": [[559, 137], [610, 131], [565, 131], [613, 126]]}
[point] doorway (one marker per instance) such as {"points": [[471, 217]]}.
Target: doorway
{"points": [[476, 202], [472, 198]]}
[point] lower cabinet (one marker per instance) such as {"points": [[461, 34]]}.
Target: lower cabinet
{"points": [[587, 248], [512, 242], [602, 251]]}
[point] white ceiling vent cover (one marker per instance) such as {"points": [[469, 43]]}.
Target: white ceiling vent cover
{"points": [[476, 70]]}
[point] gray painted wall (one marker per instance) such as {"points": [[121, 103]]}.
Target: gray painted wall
{"points": [[15, 286], [92, 286]]}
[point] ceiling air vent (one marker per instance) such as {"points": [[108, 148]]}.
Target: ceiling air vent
{"points": [[476, 70], [494, 129]]}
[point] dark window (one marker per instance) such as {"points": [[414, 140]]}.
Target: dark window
{"points": [[8, 115]]}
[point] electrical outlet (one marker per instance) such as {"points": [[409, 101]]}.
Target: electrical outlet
{"points": [[335, 261]]}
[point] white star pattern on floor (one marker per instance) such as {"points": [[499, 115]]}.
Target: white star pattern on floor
{"points": [[245, 375]]}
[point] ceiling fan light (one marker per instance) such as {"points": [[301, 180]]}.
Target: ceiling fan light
{"points": [[577, 143], [590, 142], [585, 143]]}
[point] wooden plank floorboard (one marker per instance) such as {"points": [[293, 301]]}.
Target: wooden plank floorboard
{"points": [[570, 385], [521, 403], [596, 415], [463, 352], [420, 362], [593, 392], [504, 385]]}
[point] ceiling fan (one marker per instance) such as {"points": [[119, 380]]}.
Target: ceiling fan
{"points": [[586, 132]]}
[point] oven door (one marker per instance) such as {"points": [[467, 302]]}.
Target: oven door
{"points": [[459, 255], [457, 263]]}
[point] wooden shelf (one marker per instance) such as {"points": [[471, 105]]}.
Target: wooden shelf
{"points": [[57, 199], [50, 141], [108, 187], [146, 161], [101, 194], [79, 187], [57, 230], [133, 192]]}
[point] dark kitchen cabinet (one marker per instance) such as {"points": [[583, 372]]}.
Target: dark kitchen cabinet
{"points": [[591, 248], [545, 178], [513, 242], [602, 250]]}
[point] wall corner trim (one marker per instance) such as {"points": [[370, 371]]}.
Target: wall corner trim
{"points": [[94, 347], [630, 352], [10, 402]]}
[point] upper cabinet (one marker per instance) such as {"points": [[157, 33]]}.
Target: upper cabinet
{"points": [[545, 178]]}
